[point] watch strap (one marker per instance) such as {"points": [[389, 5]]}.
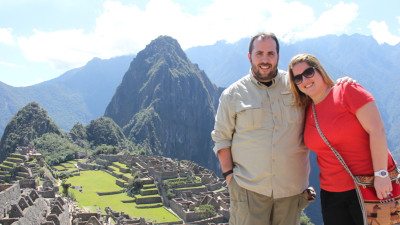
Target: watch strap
{"points": [[225, 174], [381, 173]]}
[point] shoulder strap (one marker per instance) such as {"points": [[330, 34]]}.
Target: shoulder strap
{"points": [[341, 160], [338, 156]]}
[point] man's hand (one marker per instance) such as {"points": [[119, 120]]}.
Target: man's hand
{"points": [[345, 79], [228, 179]]}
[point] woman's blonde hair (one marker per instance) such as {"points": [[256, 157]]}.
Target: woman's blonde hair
{"points": [[302, 99]]}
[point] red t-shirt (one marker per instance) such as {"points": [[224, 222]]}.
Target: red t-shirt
{"points": [[338, 122]]}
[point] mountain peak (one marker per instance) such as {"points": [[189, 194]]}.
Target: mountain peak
{"points": [[29, 123], [165, 49], [166, 102], [164, 42]]}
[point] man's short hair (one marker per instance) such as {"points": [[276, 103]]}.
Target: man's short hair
{"points": [[264, 36]]}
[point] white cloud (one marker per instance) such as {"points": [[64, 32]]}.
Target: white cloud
{"points": [[7, 64], [63, 49], [380, 31], [6, 36], [335, 20], [125, 29]]}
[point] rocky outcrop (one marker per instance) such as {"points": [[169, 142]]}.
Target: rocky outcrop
{"points": [[29, 123], [167, 103]]}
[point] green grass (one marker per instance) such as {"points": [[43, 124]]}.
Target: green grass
{"points": [[121, 165], [219, 190], [115, 169], [16, 159], [59, 168], [190, 188], [181, 180], [100, 181], [128, 175], [9, 164], [68, 165], [4, 167], [148, 186]]}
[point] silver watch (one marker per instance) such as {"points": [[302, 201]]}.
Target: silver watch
{"points": [[381, 173]]}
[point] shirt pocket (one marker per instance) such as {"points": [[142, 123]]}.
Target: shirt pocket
{"points": [[291, 112], [249, 115]]}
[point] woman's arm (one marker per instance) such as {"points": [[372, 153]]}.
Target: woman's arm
{"points": [[369, 117]]}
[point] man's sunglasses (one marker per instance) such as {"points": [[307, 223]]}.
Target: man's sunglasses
{"points": [[309, 72]]}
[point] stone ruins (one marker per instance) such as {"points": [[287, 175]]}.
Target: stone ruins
{"points": [[29, 193]]}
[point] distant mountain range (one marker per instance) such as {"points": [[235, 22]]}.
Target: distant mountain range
{"points": [[79, 95]]}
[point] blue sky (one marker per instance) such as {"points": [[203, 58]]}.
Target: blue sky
{"points": [[41, 39]]}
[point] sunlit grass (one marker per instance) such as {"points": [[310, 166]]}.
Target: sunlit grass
{"points": [[99, 181]]}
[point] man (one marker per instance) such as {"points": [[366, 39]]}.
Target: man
{"points": [[258, 141]]}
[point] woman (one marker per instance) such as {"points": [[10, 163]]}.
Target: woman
{"points": [[350, 120]]}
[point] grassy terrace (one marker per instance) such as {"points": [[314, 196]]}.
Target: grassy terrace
{"points": [[100, 181], [116, 170], [171, 183], [68, 166], [190, 188], [121, 165], [149, 186]]}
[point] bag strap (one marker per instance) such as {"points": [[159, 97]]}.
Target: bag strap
{"points": [[338, 156], [321, 134], [341, 160]]}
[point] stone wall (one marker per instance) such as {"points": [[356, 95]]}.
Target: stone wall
{"points": [[9, 195], [111, 158], [214, 186], [47, 193], [87, 166], [33, 214], [193, 191], [162, 175], [214, 220], [120, 183], [64, 215], [149, 200], [109, 193], [175, 206], [192, 216], [186, 185], [27, 183]]}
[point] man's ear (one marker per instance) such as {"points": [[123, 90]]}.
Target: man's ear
{"points": [[249, 56]]}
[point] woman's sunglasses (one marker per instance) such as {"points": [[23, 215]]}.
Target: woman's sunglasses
{"points": [[309, 72]]}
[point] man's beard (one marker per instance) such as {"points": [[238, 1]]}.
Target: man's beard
{"points": [[263, 78]]}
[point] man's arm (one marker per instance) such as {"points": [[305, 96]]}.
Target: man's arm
{"points": [[225, 159], [222, 134]]}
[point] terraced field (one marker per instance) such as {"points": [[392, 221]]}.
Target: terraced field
{"points": [[89, 183]]}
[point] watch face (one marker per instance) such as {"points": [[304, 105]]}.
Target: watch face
{"points": [[381, 173]]}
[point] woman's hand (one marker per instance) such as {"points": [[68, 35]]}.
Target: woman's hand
{"points": [[383, 187]]}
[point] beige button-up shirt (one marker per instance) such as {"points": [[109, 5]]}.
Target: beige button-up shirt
{"points": [[264, 130]]}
